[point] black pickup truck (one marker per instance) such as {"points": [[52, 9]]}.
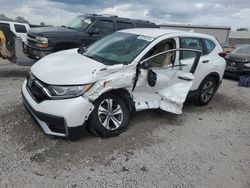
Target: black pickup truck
{"points": [[80, 31]]}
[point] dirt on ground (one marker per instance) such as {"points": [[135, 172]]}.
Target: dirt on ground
{"points": [[205, 146]]}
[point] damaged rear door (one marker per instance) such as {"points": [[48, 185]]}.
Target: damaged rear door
{"points": [[159, 84]]}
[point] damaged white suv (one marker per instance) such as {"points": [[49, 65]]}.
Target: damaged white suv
{"points": [[99, 87]]}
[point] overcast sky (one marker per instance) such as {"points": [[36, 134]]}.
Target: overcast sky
{"points": [[234, 13]]}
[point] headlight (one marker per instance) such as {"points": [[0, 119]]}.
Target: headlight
{"points": [[42, 42], [68, 91]]}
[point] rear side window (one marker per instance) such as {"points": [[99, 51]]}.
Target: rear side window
{"points": [[4, 25], [20, 28], [145, 25], [208, 46], [105, 26], [190, 43], [124, 25]]}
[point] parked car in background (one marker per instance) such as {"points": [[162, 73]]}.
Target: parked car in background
{"points": [[19, 29], [80, 31], [99, 87], [238, 62]]}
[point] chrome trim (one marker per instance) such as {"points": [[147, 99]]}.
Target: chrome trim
{"points": [[28, 38], [43, 88]]}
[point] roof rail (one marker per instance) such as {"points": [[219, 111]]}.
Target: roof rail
{"points": [[108, 15]]}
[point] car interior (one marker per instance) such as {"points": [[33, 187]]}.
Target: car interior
{"points": [[163, 60]]}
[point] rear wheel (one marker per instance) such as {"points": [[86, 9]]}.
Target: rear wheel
{"points": [[206, 91], [110, 116]]}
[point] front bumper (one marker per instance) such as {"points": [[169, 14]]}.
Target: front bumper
{"points": [[63, 118], [35, 53], [236, 73]]}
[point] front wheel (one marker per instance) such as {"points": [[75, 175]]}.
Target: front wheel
{"points": [[206, 91], [110, 116]]}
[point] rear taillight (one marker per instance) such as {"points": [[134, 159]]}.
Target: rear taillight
{"points": [[223, 54]]}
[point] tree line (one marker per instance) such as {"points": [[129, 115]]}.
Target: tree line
{"points": [[20, 19]]}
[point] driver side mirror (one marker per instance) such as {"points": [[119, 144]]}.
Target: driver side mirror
{"points": [[94, 30]]}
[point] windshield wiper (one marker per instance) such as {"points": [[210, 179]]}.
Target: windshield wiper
{"points": [[81, 50], [96, 59]]}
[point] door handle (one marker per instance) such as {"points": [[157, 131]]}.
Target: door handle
{"points": [[205, 61], [185, 78]]}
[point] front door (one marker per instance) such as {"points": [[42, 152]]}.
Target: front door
{"points": [[99, 29], [162, 86]]}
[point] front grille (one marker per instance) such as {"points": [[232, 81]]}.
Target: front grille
{"points": [[35, 89], [31, 36], [235, 64]]}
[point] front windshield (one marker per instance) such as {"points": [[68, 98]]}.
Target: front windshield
{"points": [[118, 48], [242, 50], [79, 23]]}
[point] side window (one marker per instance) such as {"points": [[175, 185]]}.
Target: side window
{"points": [[165, 59], [209, 46], [124, 25], [20, 28], [4, 26], [104, 26], [190, 43]]}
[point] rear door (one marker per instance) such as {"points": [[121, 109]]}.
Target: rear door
{"points": [[187, 58]]}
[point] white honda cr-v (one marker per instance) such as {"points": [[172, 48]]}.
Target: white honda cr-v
{"points": [[99, 87]]}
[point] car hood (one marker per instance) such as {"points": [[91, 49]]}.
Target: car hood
{"points": [[66, 68], [244, 58], [52, 31]]}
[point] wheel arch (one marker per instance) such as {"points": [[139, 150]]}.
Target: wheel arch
{"points": [[124, 95], [216, 77]]}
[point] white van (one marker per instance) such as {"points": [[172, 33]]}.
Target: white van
{"points": [[19, 29]]}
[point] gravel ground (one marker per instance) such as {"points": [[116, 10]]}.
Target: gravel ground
{"points": [[204, 147]]}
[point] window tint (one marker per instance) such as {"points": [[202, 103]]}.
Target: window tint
{"points": [[190, 43], [163, 60], [20, 28], [105, 27], [4, 26], [209, 46], [140, 24], [124, 25]]}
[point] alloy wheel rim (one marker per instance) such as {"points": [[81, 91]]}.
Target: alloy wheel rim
{"points": [[110, 114], [207, 91]]}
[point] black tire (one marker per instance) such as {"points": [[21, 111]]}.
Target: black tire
{"points": [[96, 123], [206, 91]]}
